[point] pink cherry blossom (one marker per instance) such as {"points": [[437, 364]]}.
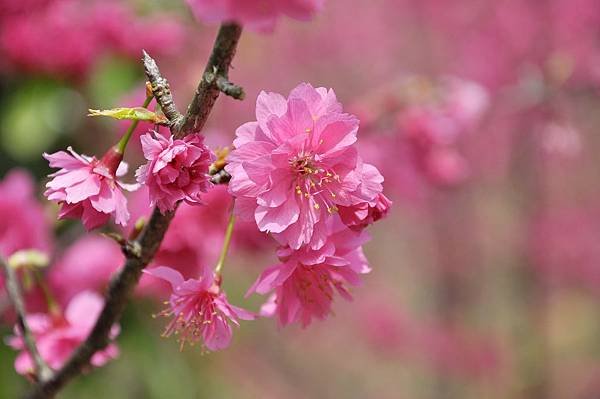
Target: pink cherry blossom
{"points": [[305, 282], [199, 309], [294, 166], [86, 265], [23, 224], [87, 188], [364, 214], [58, 336], [177, 169], [259, 15]]}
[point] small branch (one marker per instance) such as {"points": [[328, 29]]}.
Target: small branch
{"points": [[42, 371], [230, 89], [208, 90], [161, 90]]}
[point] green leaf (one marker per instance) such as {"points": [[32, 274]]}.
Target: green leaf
{"points": [[136, 114]]}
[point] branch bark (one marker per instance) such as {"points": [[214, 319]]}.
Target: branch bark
{"points": [[122, 285], [42, 371], [208, 89]]}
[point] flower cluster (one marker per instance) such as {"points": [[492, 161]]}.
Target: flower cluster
{"points": [[297, 173]]}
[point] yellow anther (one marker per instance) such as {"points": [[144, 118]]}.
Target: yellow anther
{"points": [[306, 195], [316, 206]]}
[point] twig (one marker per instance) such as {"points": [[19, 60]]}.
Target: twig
{"points": [[161, 90], [230, 89], [208, 90], [42, 371], [122, 285]]}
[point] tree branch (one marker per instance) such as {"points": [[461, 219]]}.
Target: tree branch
{"points": [[161, 90], [208, 89], [42, 371], [122, 285]]}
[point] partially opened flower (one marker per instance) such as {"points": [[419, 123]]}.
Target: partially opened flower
{"points": [[177, 169], [297, 164], [88, 188], [365, 213], [304, 284], [260, 15], [58, 336], [199, 309]]}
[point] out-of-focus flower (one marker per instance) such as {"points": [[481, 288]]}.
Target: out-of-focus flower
{"points": [[297, 164], [66, 37], [23, 224], [86, 265], [177, 169], [563, 247], [57, 336], [259, 15], [87, 188], [199, 309], [434, 127], [305, 282]]}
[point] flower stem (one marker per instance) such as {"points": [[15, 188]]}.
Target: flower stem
{"points": [[53, 306], [125, 139], [226, 243]]}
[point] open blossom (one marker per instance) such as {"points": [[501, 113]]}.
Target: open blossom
{"points": [[297, 164], [259, 15], [88, 188], [306, 280], [177, 169], [58, 336], [199, 308]]}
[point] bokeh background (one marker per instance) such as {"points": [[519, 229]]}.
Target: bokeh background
{"points": [[481, 114]]}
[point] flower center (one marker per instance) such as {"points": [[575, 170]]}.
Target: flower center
{"points": [[315, 184]]}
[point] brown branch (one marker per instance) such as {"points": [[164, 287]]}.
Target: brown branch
{"points": [[161, 90], [208, 89], [42, 371], [230, 89], [122, 285]]}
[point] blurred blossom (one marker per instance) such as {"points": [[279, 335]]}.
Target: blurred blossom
{"points": [[86, 265], [57, 336], [260, 15], [65, 37], [561, 139], [23, 224], [564, 248]]}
